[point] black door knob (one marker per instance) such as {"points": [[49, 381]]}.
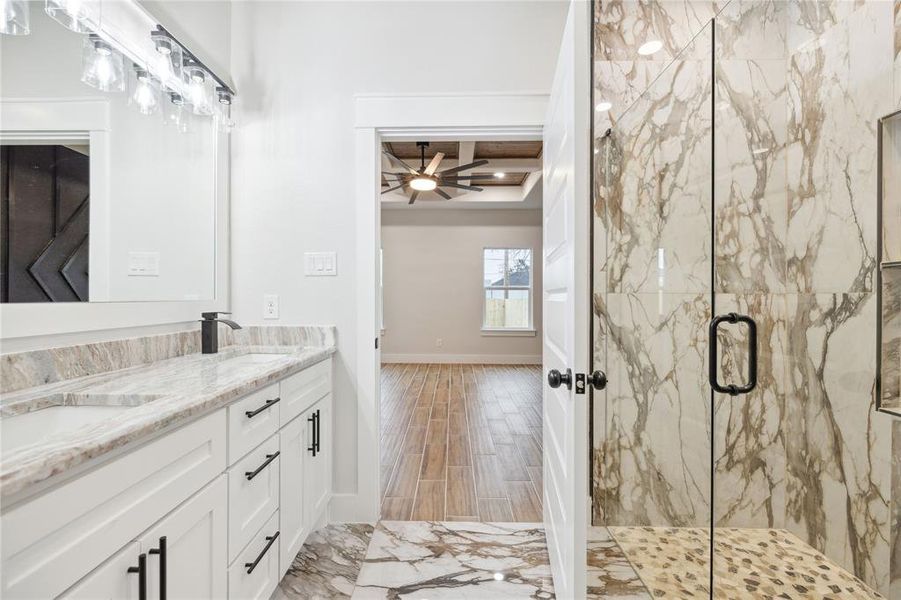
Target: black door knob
{"points": [[598, 380], [555, 378]]}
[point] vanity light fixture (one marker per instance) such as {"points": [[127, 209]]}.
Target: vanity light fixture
{"points": [[146, 92], [71, 14], [14, 17], [176, 112], [650, 47], [603, 106], [101, 65]]}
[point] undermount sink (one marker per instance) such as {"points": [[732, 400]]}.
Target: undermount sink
{"points": [[28, 428], [253, 358]]}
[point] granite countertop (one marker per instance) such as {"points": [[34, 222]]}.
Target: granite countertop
{"points": [[160, 394]]}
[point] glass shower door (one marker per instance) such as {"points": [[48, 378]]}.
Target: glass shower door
{"points": [[652, 430]]}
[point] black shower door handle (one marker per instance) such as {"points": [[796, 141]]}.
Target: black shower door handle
{"points": [[733, 390]]}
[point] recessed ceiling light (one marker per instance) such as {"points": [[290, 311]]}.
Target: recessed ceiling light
{"points": [[603, 106], [500, 175], [498, 576], [651, 47]]}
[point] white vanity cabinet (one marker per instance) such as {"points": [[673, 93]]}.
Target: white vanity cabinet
{"points": [[191, 509]]}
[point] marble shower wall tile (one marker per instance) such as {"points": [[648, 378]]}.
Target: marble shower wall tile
{"points": [[653, 463], [748, 448], [895, 541], [897, 71], [891, 341], [840, 58], [622, 26], [661, 202], [837, 447]]}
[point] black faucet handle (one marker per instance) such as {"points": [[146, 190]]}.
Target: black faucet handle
{"points": [[212, 316]]}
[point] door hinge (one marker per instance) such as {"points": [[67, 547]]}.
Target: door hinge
{"points": [[376, 343]]}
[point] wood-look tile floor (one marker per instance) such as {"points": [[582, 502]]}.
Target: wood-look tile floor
{"points": [[461, 442]]}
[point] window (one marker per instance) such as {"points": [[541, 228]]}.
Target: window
{"points": [[507, 280]]}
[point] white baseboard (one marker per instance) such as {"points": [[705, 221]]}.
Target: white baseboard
{"points": [[488, 359], [352, 508]]}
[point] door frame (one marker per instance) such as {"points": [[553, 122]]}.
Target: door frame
{"points": [[406, 117]]}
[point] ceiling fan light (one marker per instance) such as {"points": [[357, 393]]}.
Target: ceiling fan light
{"points": [[423, 184]]}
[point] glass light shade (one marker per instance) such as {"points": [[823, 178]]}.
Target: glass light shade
{"points": [[102, 67], [224, 122], [71, 14], [144, 92], [423, 184], [177, 112], [169, 57], [14, 17], [200, 88]]}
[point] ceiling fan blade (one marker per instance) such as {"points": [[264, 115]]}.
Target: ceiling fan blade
{"points": [[397, 187], [413, 197], [402, 163], [433, 165], [442, 193], [459, 186], [477, 163], [386, 173]]}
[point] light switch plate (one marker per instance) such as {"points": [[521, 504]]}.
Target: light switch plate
{"points": [[270, 306], [143, 264], [320, 264]]}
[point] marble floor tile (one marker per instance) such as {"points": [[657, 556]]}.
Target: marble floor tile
{"points": [[460, 560], [328, 564], [610, 575], [749, 564]]}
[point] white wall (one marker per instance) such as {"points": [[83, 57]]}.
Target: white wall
{"points": [[433, 284], [297, 67]]}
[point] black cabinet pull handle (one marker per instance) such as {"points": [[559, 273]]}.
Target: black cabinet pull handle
{"points": [[252, 413], [141, 570], [318, 432], [270, 539], [312, 446], [269, 458], [733, 390], [162, 552]]}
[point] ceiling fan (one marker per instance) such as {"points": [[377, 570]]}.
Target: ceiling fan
{"points": [[428, 178]]}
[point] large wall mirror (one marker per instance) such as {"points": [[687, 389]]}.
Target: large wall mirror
{"points": [[109, 177]]}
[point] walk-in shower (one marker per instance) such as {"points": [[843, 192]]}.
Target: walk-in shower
{"points": [[735, 183]]}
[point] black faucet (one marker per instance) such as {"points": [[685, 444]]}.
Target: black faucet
{"points": [[209, 330]]}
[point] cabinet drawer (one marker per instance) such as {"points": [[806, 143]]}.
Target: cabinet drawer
{"points": [[252, 501], [262, 550], [54, 540], [300, 391], [252, 420]]}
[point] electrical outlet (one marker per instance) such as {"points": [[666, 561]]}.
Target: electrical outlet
{"points": [[270, 306], [439, 343]]}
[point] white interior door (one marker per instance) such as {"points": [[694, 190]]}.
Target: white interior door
{"points": [[567, 319]]}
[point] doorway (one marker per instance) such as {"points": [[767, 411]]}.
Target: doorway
{"points": [[460, 332]]}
